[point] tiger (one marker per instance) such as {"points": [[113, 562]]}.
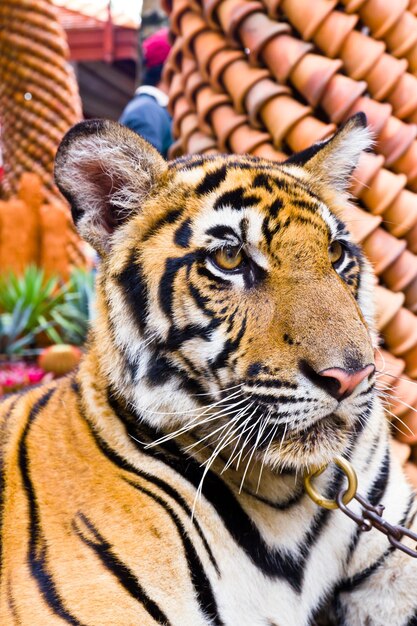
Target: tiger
{"points": [[231, 352]]}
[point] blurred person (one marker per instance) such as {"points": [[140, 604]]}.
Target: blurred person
{"points": [[147, 113]]}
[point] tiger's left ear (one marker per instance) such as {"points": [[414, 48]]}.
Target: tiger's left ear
{"points": [[106, 172], [331, 162]]}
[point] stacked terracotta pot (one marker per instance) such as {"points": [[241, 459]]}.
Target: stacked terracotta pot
{"points": [[269, 78]]}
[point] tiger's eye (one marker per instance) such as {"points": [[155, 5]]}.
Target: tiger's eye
{"points": [[335, 252], [228, 258]]}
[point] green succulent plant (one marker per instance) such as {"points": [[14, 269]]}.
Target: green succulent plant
{"points": [[15, 338], [33, 304]]}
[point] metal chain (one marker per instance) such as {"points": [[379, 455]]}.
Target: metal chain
{"points": [[370, 516]]}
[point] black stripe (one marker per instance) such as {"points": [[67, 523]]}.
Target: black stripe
{"points": [[413, 619], [263, 181], [124, 575], [166, 284], [168, 218], [135, 290], [235, 198], [230, 346], [183, 234], [124, 464], [211, 181], [37, 543], [198, 576]]}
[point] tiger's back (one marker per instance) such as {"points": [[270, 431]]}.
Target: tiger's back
{"points": [[233, 349]]}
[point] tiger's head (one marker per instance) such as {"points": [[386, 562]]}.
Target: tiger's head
{"points": [[231, 298]]}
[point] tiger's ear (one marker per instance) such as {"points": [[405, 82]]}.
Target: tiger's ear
{"points": [[331, 162], [105, 171]]}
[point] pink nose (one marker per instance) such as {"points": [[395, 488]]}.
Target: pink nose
{"points": [[341, 383]]}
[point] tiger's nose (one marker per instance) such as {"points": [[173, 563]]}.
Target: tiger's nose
{"points": [[340, 383]]}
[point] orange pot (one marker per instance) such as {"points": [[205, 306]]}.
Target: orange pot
{"points": [[369, 165], [333, 32], [281, 55], [377, 113], [224, 120], [387, 305], [340, 96], [382, 249], [381, 15], [359, 54], [403, 35], [206, 44], [307, 131], [239, 78], [404, 96], [382, 190], [312, 74], [219, 63], [360, 223], [400, 333], [401, 215], [395, 139], [401, 451], [402, 272], [280, 114], [259, 95], [307, 16], [256, 31], [207, 100], [244, 139], [384, 75]]}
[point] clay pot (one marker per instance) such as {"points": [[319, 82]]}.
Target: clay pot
{"points": [[206, 45], [307, 16], [360, 223], [384, 75], [178, 9], [411, 238], [352, 6], [191, 24], [369, 165], [412, 60], [280, 114], [307, 131], [239, 78], [401, 215], [403, 35], [244, 139], [256, 31], [194, 83], [402, 272], [388, 368], [181, 109], [267, 151], [219, 63], [407, 162], [199, 143], [400, 333], [175, 150], [401, 451], [312, 74], [272, 8], [360, 53], [381, 15], [333, 32], [412, 7], [410, 358], [230, 14], [382, 249], [404, 96], [340, 96], [258, 95], [387, 305], [188, 66], [411, 296], [382, 190], [207, 100], [210, 13], [281, 55], [395, 139], [188, 126], [224, 120], [377, 113], [176, 90]]}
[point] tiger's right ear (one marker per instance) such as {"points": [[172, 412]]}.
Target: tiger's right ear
{"points": [[106, 172]]}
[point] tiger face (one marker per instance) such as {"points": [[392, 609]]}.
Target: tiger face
{"points": [[231, 299]]}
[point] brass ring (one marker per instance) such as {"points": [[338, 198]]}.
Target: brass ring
{"points": [[350, 492]]}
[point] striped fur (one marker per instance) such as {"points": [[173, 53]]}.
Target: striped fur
{"points": [[162, 483]]}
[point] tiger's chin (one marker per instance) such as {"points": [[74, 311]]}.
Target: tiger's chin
{"points": [[314, 446]]}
